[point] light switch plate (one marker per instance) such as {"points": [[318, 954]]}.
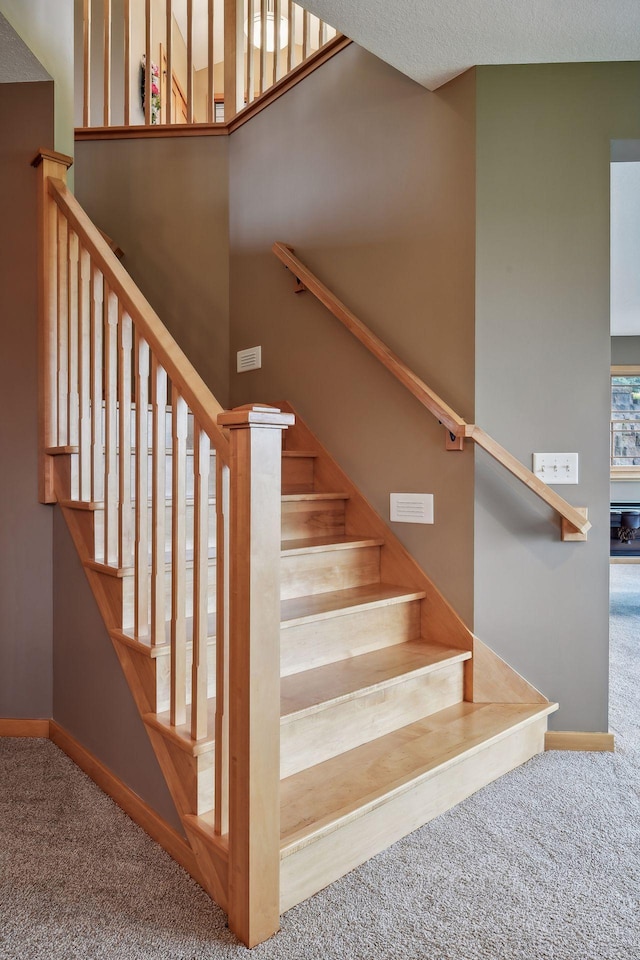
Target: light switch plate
{"points": [[556, 468], [411, 507]]}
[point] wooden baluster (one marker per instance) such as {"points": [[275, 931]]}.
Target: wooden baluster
{"points": [[158, 501], [211, 98], [86, 63], [168, 83], [233, 59], [319, 33], [106, 119], [73, 399], [127, 62], [324, 35], [277, 20], [63, 332], [178, 705], [53, 165], [221, 806], [291, 39], [189, 61], [84, 375], [254, 671], [199, 672], [147, 63], [125, 531], [141, 616], [263, 45], [111, 427], [251, 57], [96, 388], [306, 34]]}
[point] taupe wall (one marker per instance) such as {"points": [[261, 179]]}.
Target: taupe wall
{"points": [[165, 202], [371, 178], [26, 122], [542, 364], [91, 698]]}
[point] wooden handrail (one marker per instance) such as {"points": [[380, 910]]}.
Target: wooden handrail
{"points": [[181, 372], [576, 521]]}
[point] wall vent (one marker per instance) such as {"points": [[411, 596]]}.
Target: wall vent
{"points": [[411, 507], [250, 359]]}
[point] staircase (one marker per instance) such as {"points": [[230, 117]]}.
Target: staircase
{"points": [[239, 570]]}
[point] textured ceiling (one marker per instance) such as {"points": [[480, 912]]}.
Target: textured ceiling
{"points": [[435, 40]]}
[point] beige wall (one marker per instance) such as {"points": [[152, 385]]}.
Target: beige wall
{"points": [[542, 364], [165, 202], [371, 179], [26, 122]]}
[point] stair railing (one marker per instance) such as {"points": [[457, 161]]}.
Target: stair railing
{"points": [[194, 62], [149, 446], [574, 522]]}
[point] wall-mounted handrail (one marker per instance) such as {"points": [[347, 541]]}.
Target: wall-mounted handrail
{"points": [[181, 372], [576, 521]]}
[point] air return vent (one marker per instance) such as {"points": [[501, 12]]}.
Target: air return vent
{"points": [[411, 507], [250, 359]]}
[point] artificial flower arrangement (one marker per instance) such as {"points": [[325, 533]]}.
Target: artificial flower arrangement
{"points": [[155, 88]]}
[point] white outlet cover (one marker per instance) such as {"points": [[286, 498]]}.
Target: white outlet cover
{"points": [[411, 507], [556, 468], [250, 359]]}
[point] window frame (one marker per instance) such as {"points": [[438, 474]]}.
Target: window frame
{"points": [[631, 472]]}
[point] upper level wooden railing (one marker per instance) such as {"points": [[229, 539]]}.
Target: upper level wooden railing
{"points": [[175, 62], [575, 524], [172, 481]]}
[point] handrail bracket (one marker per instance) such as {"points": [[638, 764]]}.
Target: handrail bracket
{"points": [[569, 532]]}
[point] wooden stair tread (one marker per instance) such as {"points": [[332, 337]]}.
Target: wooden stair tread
{"points": [[320, 799], [292, 497], [306, 454], [326, 544], [339, 602], [114, 571], [313, 690], [99, 504], [144, 645], [181, 735]]}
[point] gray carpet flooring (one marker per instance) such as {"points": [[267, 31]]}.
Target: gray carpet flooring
{"points": [[543, 865]]}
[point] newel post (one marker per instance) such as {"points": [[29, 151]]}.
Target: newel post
{"points": [[254, 670], [55, 165]]}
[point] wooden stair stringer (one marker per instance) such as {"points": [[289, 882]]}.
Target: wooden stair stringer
{"points": [[181, 771], [494, 680]]}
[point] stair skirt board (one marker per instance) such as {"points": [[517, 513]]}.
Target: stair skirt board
{"points": [[307, 868]]}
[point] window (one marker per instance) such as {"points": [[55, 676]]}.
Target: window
{"points": [[625, 423]]}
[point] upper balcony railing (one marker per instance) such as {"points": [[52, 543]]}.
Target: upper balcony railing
{"points": [[159, 63]]}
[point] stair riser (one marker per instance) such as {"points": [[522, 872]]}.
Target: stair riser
{"points": [[307, 574], [320, 642], [163, 677], [343, 726], [312, 518], [99, 530], [331, 856], [297, 474], [128, 595]]}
